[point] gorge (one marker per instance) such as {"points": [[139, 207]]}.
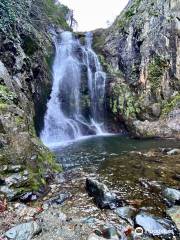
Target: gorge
{"points": [[89, 123]]}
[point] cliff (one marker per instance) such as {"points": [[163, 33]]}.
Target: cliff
{"points": [[141, 53], [26, 52]]}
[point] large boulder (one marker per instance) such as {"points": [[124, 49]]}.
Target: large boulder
{"points": [[103, 197]]}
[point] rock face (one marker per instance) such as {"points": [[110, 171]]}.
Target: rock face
{"points": [[26, 50], [141, 53]]}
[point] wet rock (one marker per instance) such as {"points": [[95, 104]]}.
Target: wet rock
{"points": [[155, 226], [24, 231], [172, 196], [174, 151], [28, 197], [174, 213], [102, 196], [127, 213], [59, 199]]}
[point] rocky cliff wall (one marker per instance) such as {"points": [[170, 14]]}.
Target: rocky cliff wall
{"points": [[141, 53], [26, 53]]}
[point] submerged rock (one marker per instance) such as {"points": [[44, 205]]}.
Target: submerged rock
{"points": [[172, 196], [155, 226], [102, 196], [24, 231]]}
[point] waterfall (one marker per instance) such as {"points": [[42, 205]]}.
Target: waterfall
{"points": [[64, 119]]}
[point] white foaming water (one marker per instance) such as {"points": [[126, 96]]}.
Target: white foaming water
{"points": [[64, 120]]}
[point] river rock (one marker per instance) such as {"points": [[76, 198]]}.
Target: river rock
{"points": [[28, 197], [127, 213], [102, 196], [172, 196], [155, 226], [59, 199], [174, 213], [174, 151], [24, 231]]}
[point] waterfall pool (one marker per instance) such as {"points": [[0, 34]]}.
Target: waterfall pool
{"points": [[131, 167]]}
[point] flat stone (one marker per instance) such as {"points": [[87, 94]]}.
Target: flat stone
{"points": [[174, 213], [155, 226], [25, 231]]}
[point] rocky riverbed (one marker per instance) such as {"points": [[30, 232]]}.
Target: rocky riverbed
{"points": [[82, 205]]}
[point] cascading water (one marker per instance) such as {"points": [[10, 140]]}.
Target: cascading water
{"points": [[64, 119]]}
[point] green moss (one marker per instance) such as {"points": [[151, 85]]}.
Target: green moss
{"points": [[6, 96], [173, 103], [3, 106], [156, 69], [124, 102]]}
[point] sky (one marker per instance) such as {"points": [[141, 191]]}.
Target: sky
{"points": [[93, 14]]}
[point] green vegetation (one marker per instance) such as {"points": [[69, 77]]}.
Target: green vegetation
{"points": [[56, 13], [109, 68], [173, 103], [156, 70], [128, 14], [124, 102], [6, 96]]}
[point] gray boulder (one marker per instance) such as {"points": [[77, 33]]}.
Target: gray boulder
{"points": [[24, 231], [102, 195]]}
